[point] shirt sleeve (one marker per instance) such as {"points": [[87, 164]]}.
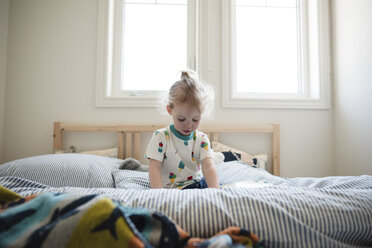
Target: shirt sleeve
{"points": [[206, 150], [157, 146]]}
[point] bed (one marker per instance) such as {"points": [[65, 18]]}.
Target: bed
{"points": [[277, 211]]}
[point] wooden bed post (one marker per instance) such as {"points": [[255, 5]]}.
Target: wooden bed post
{"points": [[215, 136], [137, 145], [128, 146], [276, 149], [57, 137], [120, 145]]}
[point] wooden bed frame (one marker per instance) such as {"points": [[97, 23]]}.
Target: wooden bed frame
{"points": [[125, 134]]}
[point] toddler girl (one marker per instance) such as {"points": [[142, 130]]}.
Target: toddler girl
{"points": [[179, 155]]}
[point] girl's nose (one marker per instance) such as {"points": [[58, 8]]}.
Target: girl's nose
{"points": [[188, 123]]}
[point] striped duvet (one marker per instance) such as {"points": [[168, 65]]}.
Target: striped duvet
{"points": [[283, 212]]}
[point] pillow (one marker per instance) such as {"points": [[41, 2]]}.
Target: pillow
{"points": [[232, 154], [237, 171], [129, 179], [218, 157], [62, 170]]}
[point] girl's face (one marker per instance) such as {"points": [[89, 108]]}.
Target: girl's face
{"points": [[186, 118]]}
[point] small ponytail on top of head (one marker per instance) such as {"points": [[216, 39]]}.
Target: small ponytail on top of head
{"points": [[189, 74]]}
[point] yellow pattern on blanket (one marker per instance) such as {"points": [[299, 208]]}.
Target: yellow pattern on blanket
{"points": [[7, 195], [100, 213]]}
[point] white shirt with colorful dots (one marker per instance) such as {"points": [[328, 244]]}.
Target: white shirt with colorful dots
{"points": [[181, 155]]}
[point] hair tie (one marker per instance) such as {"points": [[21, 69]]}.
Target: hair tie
{"points": [[185, 74]]}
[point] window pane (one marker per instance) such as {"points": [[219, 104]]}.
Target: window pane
{"points": [[155, 45], [266, 49]]}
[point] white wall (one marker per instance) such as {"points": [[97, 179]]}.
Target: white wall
{"points": [[4, 13], [353, 86], [51, 76]]}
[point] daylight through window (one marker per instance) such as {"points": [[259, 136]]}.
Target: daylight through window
{"points": [[266, 46], [154, 44]]}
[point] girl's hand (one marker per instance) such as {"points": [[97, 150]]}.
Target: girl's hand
{"points": [[155, 174]]}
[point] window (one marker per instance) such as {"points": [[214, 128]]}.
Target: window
{"points": [[142, 46], [266, 47], [276, 54], [154, 47]]}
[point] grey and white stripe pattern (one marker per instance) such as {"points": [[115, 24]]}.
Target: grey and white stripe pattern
{"points": [[21, 183], [59, 170], [228, 173], [82, 170], [308, 212], [129, 179]]}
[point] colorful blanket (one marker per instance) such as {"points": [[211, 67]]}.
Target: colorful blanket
{"points": [[76, 220]]}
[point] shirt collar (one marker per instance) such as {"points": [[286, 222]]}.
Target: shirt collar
{"points": [[180, 136]]}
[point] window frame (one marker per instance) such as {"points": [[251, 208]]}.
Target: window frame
{"points": [[314, 62], [109, 50]]}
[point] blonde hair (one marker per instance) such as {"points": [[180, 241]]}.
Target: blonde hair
{"points": [[189, 89]]}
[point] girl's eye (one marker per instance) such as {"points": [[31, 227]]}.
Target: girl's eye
{"points": [[181, 120], [195, 120]]}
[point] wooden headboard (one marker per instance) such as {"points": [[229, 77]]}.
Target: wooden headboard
{"points": [[126, 134]]}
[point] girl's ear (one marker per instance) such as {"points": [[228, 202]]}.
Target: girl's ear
{"points": [[169, 110]]}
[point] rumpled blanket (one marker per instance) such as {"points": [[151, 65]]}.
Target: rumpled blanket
{"points": [[76, 220]]}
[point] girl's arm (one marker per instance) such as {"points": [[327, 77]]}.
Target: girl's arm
{"points": [[210, 173], [155, 174]]}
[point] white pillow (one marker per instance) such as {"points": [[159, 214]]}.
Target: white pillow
{"points": [[110, 152]]}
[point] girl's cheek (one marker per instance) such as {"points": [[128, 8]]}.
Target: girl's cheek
{"points": [[196, 124]]}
